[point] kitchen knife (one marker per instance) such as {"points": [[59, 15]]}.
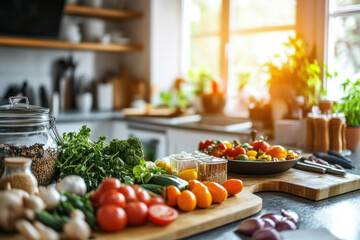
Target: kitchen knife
{"points": [[329, 169], [309, 168]]}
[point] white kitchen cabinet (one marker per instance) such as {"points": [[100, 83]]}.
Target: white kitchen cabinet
{"points": [[188, 140]]}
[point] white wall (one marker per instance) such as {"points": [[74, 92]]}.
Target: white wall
{"points": [[165, 42], [35, 65]]}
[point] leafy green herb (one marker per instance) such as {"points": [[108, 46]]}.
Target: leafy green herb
{"points": [[349, 104], [95, 161]]}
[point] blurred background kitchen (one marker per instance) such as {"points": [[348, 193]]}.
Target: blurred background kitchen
{"points": [[174, 72]]}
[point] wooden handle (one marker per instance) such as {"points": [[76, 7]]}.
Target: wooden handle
{"points": [[253, 135]]}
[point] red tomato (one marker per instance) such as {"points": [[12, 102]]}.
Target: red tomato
{"points": [[128, 193], [137, 213], [260, 145], [239, 150], [230, 152], [217, 153], [205, 144], [144, 197], [109, 183], [201, 145], [162, 215], [156, 200], [112, 197], [208, 142], [95, 196], [222, 146], [137, 188], [111, 218]]}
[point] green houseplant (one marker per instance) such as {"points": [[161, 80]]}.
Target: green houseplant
{"points": [[349, 105], [298, 73]]}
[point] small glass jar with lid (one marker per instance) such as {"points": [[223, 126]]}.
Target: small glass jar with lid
{"points": [[17, 173], [212, 169], [29, 131], [182, 161]]}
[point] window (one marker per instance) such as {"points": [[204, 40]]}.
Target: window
{"points": [[236, 37], [343, 44]]}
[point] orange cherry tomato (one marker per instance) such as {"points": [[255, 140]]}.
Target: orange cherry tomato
{"points": [[187, 201], [260, 145], [193, 183], [277, 151], [233, 186], [170, 195], [218, 192], [203, 196]]}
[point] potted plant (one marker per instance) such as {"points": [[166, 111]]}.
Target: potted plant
{"points": [[210, 98], [349, 105], [295, 74]]}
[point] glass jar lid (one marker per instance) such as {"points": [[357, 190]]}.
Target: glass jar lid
{"points": [[22, 114]]}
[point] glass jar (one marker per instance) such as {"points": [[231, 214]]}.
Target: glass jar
{"points": [[181, 162], [18, 174], [212, 169], [25, 131]]}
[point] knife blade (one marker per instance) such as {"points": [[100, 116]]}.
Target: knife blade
{"points": [[329, 169]]}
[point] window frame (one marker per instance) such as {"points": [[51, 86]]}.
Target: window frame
{"points": [[331, 12], [224, 35]]}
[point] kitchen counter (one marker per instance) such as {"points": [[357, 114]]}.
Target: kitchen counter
{"points": [[218, 124], [339, 214]]}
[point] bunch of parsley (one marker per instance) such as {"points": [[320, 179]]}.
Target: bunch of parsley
{"points": [[95, 161]]}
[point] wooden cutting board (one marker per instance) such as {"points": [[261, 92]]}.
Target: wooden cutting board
{"points": [[314, 186], [189, 223]]}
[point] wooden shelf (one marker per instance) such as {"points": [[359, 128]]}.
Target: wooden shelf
{"points": [[44, 43], [85, 11]]}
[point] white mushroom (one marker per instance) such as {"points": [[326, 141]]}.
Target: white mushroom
{"points": [[46, 233], [11, 209], [26, 229], [77, 227]]}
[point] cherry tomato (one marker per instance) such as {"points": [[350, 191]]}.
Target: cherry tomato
{"points": [[205, 144], [156, 200], [233, 186], [170, 195], [260, 145], [201, 145], [222, 146], [144, 197], [194, 183], [128, 193], [239, 150], [137, 188], [111, 218], [203, 196], [217, 153], [109, 183], [277, 151], [230, 152], [95, 196], [187, 201], [112, 197], [137, 213], [162, 215], [218, 192], [208, 142]]}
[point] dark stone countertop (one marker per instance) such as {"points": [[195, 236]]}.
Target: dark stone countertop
{"points": [[339, 214]]}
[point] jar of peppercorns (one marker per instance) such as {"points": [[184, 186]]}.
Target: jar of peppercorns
{"points": [[29, 131]]}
